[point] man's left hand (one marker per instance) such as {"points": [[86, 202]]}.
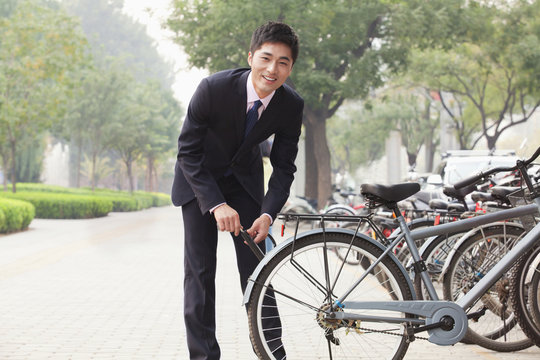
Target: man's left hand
{"points": [[259, 230]]}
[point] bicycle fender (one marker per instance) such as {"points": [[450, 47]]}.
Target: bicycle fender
{"points": [[468, 235], [269, 256]]}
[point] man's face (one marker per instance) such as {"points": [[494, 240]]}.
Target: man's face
{"points": [[271, 65]]}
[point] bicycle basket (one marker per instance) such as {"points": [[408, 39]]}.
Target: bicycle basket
{"points": [[523, 197]]}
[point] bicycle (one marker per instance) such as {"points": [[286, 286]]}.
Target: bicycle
{"points": [[326, 307], [456, 262]]}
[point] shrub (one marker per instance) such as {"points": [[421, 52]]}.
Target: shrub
{"points": [[155, 199], [15, 215], [64, 206], [121, 200]]}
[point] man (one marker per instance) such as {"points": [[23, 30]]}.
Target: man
{"points": [[219, 179]]}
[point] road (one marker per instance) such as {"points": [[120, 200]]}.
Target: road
{"points": [[111, 288]]}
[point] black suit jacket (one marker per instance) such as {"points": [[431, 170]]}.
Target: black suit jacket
{"points": [[211, 141]]}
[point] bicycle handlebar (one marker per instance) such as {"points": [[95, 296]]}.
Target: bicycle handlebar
{"points": [[481, 176]]}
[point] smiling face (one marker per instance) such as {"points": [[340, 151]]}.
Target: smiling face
{"points": [[271, 65]]}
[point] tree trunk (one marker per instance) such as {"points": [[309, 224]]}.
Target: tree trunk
{"points": [[322, 156], [129, 168], [93, 172], [311, 163], [155, 180], [411, 159], [13, 144], [5, 164], [150, 174], [79, 160], [492, 141], [430, 152]]}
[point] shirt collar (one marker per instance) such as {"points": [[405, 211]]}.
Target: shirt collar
{"points": [[252, 94]]}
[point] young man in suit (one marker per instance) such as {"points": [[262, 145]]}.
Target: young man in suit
{"points": [[219, 180]]}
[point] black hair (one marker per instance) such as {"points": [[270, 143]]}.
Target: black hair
{"points": [[275, 32]]}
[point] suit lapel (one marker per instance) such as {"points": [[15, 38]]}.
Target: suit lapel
{"points": [[239, 115]]}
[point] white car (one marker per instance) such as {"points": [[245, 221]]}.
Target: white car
{"points": [[458, 165]]}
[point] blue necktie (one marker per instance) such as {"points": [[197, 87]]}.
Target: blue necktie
{"points": [[251, 117]]}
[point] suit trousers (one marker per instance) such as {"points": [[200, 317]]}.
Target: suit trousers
{"points": [[200, 236]]}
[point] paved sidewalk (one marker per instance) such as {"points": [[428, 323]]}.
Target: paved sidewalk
{"points": [[111, 288]]}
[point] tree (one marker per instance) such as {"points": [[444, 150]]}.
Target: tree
{"points": [[39, 48], [112, 33], [357, 135], [130, 144], [116, 38], [347, 48], [7, 7], [149, 113], [30, 158], [161, 134], [96, 169], [100, 110], [493, 76], [415, 114]]}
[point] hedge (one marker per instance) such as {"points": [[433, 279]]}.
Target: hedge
{"points": [[64, 206], [122, 200], [15, 215]]}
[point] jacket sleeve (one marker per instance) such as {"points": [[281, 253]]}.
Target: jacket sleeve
{"points": [[191, 151]]}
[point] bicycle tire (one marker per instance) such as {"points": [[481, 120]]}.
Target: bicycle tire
{"points": [[534, 296], [298, 209], [474, 258], [342, 210], [301, 300], [353, 258], [524, 296]]}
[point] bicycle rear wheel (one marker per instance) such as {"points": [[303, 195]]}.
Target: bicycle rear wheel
{"points": [[303, 280]]}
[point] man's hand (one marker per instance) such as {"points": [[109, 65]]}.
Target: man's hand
{"points": [[259, 230], [227, 219]]}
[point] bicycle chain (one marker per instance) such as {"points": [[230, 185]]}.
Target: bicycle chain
{"points": [[390, 333]]}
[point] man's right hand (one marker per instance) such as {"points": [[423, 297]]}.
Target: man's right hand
{"points": [[227, 219]]}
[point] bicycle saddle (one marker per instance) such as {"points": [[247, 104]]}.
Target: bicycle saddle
{"points": [[390, 193], [438, 204], [501, 192], [456, 207], [481, 196], [458, 194]]}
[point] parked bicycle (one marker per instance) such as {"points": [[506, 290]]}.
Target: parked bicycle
{"points": [[331, 309]]}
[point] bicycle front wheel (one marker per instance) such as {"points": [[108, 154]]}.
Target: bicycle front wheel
{"points": [[294, 290], [525, 294], [497, 329]]}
